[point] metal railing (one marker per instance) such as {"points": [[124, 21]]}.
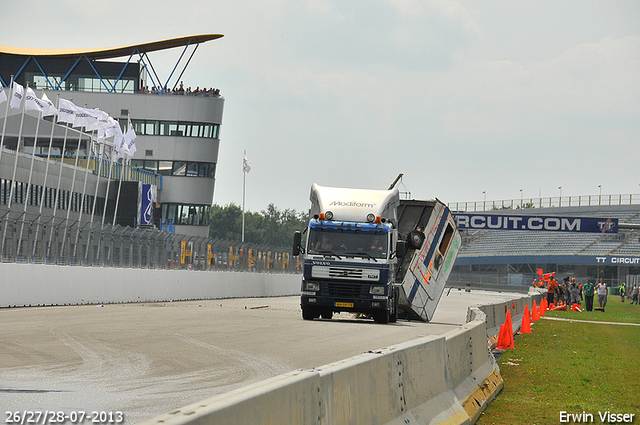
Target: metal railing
{"points": [[37, 241], [549, 202]]}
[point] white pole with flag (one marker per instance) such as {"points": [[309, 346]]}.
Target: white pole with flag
{"points": [[17, 92], [6, 117], [53, 111], [32, 103], [245, 169], [129, 148], [16, 103]]}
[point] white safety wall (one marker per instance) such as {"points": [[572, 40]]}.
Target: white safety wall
{"points": [[33, 285]]}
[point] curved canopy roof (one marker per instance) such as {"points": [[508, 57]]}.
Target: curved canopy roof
{"points": [[110, 52]]}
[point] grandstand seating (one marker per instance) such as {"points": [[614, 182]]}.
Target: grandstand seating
{"points": [[504, 242]]}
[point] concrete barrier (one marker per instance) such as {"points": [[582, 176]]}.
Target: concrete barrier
{"points": [[447, 379], [35, 284]]}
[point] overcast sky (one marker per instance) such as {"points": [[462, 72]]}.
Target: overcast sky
{"points": [[462, 97]]}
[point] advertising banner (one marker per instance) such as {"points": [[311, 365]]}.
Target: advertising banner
{"points": [[536, 223], [147, 202]]}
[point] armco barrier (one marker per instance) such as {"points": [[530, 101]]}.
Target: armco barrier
{"points": [[447, 379]]}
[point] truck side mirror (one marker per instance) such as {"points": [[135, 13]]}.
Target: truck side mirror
{"points": [[401, 249], [297, 240]]}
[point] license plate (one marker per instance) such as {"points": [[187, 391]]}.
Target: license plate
{"points": [[346, 305]]}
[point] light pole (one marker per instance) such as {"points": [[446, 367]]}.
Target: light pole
{"points": [[560, 200], [600, 195], [521, 199]]}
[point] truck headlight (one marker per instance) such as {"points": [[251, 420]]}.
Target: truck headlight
{"points": [[312, 286], [377, 290]]}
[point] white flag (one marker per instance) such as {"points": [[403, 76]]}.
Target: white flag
{"points": [[82, 118], [50, 108], [92, 117], [118, 140], [104, 120], [67, 111], [16, 96], [245, 165], [32, 103], [129, 138], [3, 95]]}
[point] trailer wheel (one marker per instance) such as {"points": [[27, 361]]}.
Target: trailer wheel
{"points": [[415, 239]]}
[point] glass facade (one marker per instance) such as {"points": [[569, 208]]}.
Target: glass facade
{"points": [[177, 168], [183, 214], [176, 128], [92, 84]]}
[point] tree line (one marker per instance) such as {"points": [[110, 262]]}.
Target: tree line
{"points": [[268, 227]]}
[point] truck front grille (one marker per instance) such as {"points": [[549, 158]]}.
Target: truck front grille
{"points": [[350, 273], [342, 290]]}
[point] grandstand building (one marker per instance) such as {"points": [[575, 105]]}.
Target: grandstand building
{"points": [[513, 257], [52, 173]]}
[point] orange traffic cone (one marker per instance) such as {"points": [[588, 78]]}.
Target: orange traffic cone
{"points": [[543, 307], [500, 344], [575, 307], [505, 339], [535, 314], [508, 324], [525, 328]]}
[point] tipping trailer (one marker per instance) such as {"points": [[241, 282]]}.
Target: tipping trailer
{"points": [[369, 252]]}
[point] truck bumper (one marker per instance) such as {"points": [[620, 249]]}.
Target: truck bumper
{"points": [[338, 305]]}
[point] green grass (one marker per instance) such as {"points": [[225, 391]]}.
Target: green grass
{"points": [[615, 311], [571, 366]]}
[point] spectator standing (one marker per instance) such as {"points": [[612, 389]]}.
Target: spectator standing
{"points": [[552, 287], [574, 292], [623, 291], [589, 290], [603, 291], [634, 294], [562, 291]]}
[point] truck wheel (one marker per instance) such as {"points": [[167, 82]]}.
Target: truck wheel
{"points": [[382, 317], [327, 314], [308, 313], [393, 318], [415, 239]]}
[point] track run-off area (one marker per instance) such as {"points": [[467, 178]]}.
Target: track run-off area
{"points": [[145, 359]]}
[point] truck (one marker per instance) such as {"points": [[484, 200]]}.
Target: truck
{"points": [[371, 253]]}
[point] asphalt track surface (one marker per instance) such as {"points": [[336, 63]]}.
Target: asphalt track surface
{"points": [[147, 359]]}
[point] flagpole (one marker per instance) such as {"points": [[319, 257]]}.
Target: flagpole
{"points": [[15, 164], [33, 157], [244, 181], [6, 117], [73, 183], [115, 212], [46, 173], [89, 148], [106, 196]]}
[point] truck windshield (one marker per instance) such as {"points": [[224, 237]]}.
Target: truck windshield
{"points": [[348, 244]]}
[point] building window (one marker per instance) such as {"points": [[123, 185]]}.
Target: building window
{"points": [[173, 128], [177, 168], [185, 214], [165, 168]]}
